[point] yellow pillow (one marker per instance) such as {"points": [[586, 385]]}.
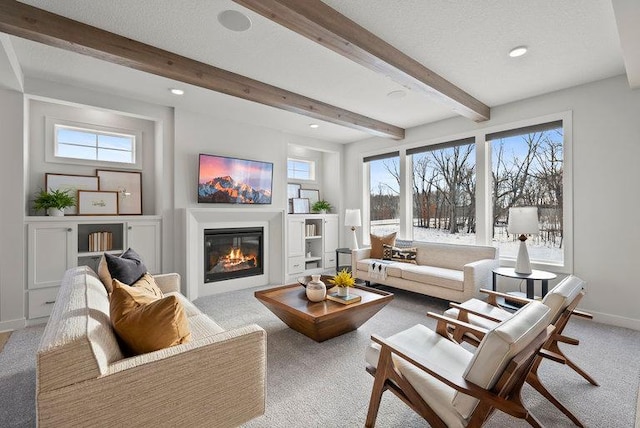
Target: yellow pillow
{"points": [[105, 275], [144, 323], [148, 284], [378, 241]]}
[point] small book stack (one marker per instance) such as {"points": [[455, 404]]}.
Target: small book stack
{"points": [[310, 230], [100, 241], [345, 300]]}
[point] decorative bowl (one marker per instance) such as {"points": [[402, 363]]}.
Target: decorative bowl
{"points": [[304, 280]]}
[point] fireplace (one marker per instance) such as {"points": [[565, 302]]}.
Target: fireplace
{"points": [[233, 253]]}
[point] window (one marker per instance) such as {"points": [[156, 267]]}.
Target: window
{"points": [[384, 193], [299, 169], [527, 170], [444, 192], [93, 145]]}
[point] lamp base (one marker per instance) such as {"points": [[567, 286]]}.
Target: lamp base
{"points": [[523, 265], [354, 239]]}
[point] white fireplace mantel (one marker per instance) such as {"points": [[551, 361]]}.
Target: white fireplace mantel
{"points": [[199, 219]]}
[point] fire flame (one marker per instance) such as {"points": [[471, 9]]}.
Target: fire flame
{"points": [[236, 257]]}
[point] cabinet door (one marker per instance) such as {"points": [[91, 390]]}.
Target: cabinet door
{"points": [[144, 238], [295, 237], [330, 234], [51, 251]]}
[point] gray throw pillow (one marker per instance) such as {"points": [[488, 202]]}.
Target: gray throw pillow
{"points": [[128, 268]]}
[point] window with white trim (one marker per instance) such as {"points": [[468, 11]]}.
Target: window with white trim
{"points": [[89, 144], [301, 169], [384, 193]]}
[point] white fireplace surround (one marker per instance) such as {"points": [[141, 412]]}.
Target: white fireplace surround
{"points": [[200, 219]]}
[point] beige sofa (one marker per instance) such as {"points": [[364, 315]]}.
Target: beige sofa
{"points": [[83, 379], [446, 271]]}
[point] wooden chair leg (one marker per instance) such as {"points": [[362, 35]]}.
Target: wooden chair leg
{"points": [[555, 348], [378, 387], [534, 381]]}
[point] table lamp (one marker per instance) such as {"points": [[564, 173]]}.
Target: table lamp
{"points": [[523, 221], [352, 219]]}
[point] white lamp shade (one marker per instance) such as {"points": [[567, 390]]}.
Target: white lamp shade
{"points": [[352, 218], [523, 220]]}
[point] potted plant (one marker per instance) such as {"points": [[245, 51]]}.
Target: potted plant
{"points": [[53, 202], [321, 207], [343, 280]]}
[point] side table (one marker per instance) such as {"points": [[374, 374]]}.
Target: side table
{"points": [[342, 251], [535, 275]]}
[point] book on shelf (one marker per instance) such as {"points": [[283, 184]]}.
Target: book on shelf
{"points": [[345, 300], [100, 241]]}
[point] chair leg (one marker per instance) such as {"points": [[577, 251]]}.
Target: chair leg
{"points": [[378, 387], [555, 348], [534, 381]]}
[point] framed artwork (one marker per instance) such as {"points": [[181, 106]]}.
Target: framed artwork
{"points": [[293, 190], [97, 202], [311, 194], [73, 183], [128, 184], [300, 205]]}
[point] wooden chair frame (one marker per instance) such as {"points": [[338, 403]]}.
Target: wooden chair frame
{"points": [[504, 396], [551, 348]]}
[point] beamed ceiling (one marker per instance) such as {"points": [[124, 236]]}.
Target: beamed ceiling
{"points": [[333, 63]]}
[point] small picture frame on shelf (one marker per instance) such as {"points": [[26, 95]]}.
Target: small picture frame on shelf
{"points": [[128, 184], [300, 205], [293, 190], [97, 202], [72, 183], [312, 194]]}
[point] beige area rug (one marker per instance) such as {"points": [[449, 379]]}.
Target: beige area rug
{"points": [[638, 411], [4, 337]]}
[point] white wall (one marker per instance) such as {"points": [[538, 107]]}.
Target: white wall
{"points": [[12, 247], [606, 149]]}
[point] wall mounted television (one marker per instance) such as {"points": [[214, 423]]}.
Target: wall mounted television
{"points": [[226, 180]]}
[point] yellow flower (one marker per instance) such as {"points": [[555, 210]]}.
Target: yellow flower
{"points": [[343, 279]]}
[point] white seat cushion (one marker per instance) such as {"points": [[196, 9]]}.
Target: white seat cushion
{"points": [[498, 347], [433, 351], [562, 295], [393, 269], [443, 277]]}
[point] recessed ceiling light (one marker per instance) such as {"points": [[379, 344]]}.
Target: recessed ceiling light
{"points": [[397, 94], [314, 126], [176, 91], [518, 51], [234, 20]]}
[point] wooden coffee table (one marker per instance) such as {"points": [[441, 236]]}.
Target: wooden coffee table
{"points": [[322, 320]]}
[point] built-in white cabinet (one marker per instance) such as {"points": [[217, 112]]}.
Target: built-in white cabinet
{"points": [[57, 244], [311, 243]]}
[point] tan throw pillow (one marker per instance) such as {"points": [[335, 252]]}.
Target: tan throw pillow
{"points": [[104, 275], [150, 326], [378, 241], [148, 284]]}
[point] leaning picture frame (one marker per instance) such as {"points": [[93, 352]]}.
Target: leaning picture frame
{"points": [[72, 183], [128, 184], [293, 190], [312, 194], [97, 202], [300, 205]]}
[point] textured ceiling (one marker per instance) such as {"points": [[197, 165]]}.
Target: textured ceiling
{"points": [[571, 42]]}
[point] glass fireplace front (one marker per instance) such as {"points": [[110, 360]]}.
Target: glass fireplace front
{"points": [[233, 253]]}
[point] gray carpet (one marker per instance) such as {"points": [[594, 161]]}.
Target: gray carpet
{"points": [[313, 384]]}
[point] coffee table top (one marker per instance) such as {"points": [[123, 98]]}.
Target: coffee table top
{"points": [[293, 298]]}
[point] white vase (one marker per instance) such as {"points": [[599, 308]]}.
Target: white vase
{"points": [[316, 290], [343, 291], [55, 212]]}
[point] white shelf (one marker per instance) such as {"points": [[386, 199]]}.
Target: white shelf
{"points": [[312, 259], [99, 253], [313, 237]]}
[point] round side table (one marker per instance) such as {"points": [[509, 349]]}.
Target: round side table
{"points": [[535, 275]]}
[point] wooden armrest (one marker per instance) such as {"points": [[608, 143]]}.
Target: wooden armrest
{"points": [[456, 382], [462, 309], [493, 294], [565, 339], [444, 321], [582, 314], [552, 356]]}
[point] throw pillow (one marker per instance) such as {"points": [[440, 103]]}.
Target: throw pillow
{"points": [[146, 284], [128, 268], [104, 275], [404, 255], [378, 241], [147, 327]]}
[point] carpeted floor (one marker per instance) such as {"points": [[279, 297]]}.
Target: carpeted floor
{"points": [[313, 384]]}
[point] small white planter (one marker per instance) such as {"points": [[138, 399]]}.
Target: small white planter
{"points": [[55, 212]]}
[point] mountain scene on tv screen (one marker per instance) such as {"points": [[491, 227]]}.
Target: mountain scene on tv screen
{"points": [[227, 190]]}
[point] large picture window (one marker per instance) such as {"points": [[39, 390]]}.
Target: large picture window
{"points": [[527, 170], [444, 192], [384, 193]]}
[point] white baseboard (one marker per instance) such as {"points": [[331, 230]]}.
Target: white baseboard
{"points": [[615, 320], [12, 324]]}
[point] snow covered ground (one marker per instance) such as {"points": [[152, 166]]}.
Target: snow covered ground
{"points": [[508, 246]]}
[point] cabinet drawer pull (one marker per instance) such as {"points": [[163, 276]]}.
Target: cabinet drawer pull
{"points": [[296, 265], [69, 229], [50, 302], [130, 227]]}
